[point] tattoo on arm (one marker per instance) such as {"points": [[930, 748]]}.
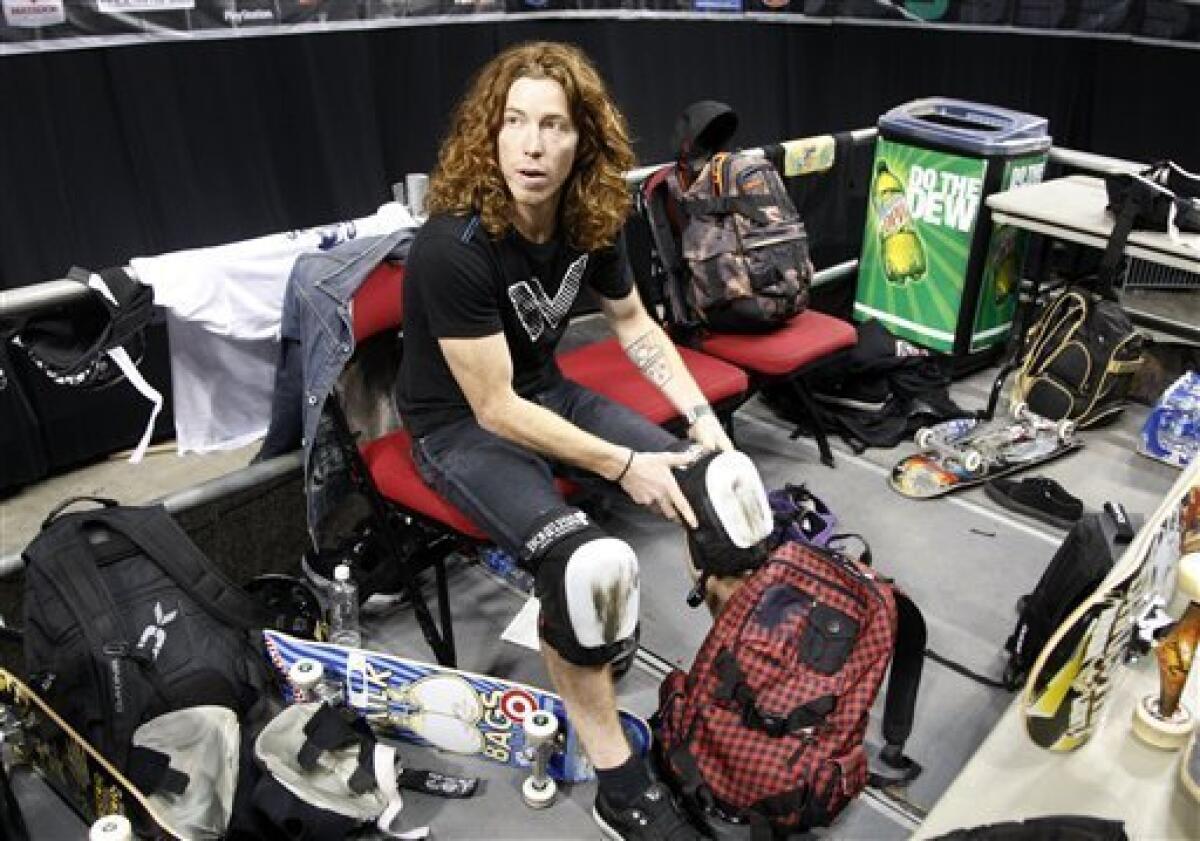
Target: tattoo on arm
{"points": [[648, 356]]}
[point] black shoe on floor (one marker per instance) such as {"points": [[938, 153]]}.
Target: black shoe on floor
{"points": [[652, 817], [1037, 497]]}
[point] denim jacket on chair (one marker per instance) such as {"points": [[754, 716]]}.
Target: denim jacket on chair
{"points": [[316, 341]]}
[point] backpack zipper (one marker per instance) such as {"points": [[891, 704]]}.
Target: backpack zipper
{"points": [[839, 587]]}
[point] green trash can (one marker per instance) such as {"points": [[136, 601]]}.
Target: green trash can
{"points": [[933, 268]]}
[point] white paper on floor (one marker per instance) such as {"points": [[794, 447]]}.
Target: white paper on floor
{"points": [[523, 629]]}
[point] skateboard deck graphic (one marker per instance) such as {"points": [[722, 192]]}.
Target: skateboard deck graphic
{"points": [[961, 454], [446, 708], [1065, 694], [75, 770]]}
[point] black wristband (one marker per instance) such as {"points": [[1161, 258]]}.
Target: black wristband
{"points": [[628, 464]]}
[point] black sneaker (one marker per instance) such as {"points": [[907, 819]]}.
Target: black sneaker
{"points": [[652, 817], [1038, 497]]}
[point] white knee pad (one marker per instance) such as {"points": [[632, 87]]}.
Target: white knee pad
{"points": [[589, 590], [600, 584]]}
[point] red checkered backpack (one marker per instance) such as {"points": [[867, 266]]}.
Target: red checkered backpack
{"points": [[767, 728]]}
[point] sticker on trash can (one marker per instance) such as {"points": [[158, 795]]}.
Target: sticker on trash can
{"points": [[921, 218], [1003, 264]]}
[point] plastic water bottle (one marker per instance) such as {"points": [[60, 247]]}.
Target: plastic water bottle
{"points": [[343, 609], [504, 567]]}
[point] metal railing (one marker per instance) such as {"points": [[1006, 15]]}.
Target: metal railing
{"points": [[31, 298], [251, 476]]}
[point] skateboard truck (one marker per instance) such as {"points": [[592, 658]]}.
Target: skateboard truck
{"points": [[541, 736], [1161, 720]]}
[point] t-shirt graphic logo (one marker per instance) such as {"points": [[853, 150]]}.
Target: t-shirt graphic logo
{"points": [[536, 309], [157, 630]]}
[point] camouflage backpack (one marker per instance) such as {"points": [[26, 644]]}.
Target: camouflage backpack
{"points": [[740, 262]]}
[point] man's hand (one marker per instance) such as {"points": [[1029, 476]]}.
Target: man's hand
{"points": [[650, 482], [709, 434]]}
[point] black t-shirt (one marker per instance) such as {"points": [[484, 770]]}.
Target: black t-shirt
{"points": [[460, 283]]}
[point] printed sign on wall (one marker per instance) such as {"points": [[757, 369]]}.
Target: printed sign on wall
{"points": [[111, 7], [29, 13]]}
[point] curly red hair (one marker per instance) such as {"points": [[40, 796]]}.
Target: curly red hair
{"points": [[467, 178]]}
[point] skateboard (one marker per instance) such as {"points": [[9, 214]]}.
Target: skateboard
{"points": [[449, 709], [77, 772], [1068, 685], [962, 453]]}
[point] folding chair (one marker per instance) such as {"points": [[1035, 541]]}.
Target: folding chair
{"points": [[421, 528], [786, 356]]}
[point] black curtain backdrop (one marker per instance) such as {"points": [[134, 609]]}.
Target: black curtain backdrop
{"points": [[108, 154]]}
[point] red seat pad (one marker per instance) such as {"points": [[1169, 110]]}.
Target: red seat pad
{"points": [[377, 305], [389, 458], [806, 338], [390, 461], [604, 368]]}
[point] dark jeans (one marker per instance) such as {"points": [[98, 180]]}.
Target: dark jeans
{"points": [[508, 490]]}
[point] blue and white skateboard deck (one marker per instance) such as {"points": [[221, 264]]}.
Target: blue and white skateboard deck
{"points": [[445, 708]]}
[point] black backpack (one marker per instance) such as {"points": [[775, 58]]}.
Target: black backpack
{"points": [[126, 619], [69, 342], [1077, 568], [1080, 359]]}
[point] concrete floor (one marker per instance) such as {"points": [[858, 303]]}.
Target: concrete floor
{"points": [[964, 560]]}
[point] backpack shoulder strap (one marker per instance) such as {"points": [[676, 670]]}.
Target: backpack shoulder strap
{"points": [[900, 704], [59, 557], [1111, 260], [655, 197], [154, 531]]}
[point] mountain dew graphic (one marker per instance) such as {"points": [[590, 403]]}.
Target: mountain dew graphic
{"points": [[901, 246]]}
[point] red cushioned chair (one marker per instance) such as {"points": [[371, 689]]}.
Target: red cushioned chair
{"points": [[420, 527], [785, 356], [604, 368]]}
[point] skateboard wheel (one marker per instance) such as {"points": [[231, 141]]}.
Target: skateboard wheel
{"points": [[540, 726], [1065, 430], [924, 437], [538, 794], [1165, 733], [111, 828], [1188, 576], [972, 461]]}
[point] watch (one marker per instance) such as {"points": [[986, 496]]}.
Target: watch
{"points": [[696, 412]]}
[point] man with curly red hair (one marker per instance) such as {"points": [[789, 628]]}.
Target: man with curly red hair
{"points": [[526, 202]]}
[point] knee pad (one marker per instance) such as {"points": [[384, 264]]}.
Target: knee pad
{"points": [[588, 586], [733, 514]]}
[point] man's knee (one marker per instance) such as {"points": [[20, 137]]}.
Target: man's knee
{"points": [[730, 502], [588, 586]]}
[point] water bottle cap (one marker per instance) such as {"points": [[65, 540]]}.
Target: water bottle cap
{"points": [[341, 572], [111, 828]]}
